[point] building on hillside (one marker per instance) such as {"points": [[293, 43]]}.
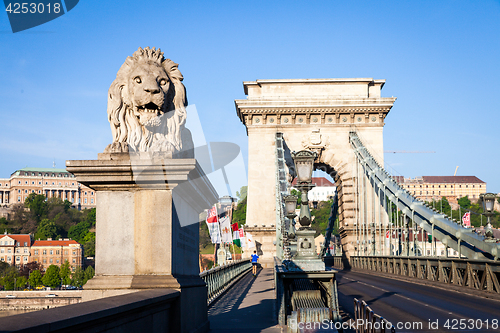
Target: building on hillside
{"points": [[323, 191], [435, 187], [15, 249], [50, 182], [56, 252]]}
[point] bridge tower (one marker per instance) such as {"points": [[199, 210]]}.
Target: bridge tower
{"points": [[313, 114]]}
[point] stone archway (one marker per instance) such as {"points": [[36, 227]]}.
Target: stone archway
{"points": [[313, 114]]}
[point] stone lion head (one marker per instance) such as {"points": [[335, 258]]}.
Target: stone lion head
{"points": [[147, 105]]}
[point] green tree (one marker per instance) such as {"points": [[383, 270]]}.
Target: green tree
{"points": [[37, 205], [89, 273], [79, 231], [240, 213], [65, 273], [464, 202], [35, 278], [242, 193], [89, 244], [90, 218], [51, 278], [78, 278], [21, 282], [10, 275], [46, 229]]}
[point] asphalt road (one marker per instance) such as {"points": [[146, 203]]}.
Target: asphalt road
{"points": [[418, 308]]}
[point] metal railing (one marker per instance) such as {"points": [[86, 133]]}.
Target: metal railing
{"points": [[368, 321], [221, 278], [475, 274]]}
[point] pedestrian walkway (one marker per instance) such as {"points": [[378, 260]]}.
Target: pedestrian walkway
{"points": [[247, 307]]}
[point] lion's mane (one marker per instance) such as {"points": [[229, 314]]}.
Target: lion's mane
{"points": [[126, 129]]}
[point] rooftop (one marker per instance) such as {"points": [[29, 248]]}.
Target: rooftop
{"points": [[55, 242], [318, 181], [440, 179]]}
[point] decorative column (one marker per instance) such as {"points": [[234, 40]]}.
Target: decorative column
{"points": [[149, 192]]}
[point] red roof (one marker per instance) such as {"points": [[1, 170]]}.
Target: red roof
{"points": [[54, 243], [452, 179], [318, 181], [18, 238]]}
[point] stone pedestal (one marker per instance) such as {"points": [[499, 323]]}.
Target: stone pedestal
{"points": [[147, 230], [307, 260]]}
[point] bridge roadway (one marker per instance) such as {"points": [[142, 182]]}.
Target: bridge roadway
{"points": [[247, 307], [404, 302]]}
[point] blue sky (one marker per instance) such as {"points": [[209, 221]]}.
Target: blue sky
{"points": [[440, 58]]}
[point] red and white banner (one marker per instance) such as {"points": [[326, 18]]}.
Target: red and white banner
{"points": [[466, 220], [213, 225]]}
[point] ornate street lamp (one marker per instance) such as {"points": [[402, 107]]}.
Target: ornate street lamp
{"points": [[488, 200], [306, 258], [304, 165], [290, 205]]}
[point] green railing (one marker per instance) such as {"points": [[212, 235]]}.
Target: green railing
{"points": [[221, 278]]}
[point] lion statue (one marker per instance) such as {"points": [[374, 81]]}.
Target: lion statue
{"points": [[147, 106]]}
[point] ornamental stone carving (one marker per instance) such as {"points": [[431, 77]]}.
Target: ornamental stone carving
{"points": [[147, 106]]}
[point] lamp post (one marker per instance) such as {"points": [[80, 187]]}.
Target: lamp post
{"points": [[289, 241], [306, 258], [488, 200]]}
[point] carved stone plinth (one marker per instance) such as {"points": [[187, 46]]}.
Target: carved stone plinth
{"points": [[147, 230], [306, 259]]}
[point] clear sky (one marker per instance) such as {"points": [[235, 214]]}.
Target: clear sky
{"points": [[440, 59]]}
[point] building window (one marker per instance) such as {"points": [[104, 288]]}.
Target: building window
{"points": [[85, 200], [44, 261], [19, 182], [66, 252], [51, 252], [44, 251], [74, 261], [92, 193], [53, 183], [25, 259], [2, 250], [18, 250], [59, 183], [9, 259], [26, 182], [39, 192], [39, 183], [32, 183], [36, 252], [91, 201], [9, 250], [73, 184], [46, 183], [57, 251], [85, 192], [57, 261], [25, 191], [51, 261], [18, 259], [74, 253]]}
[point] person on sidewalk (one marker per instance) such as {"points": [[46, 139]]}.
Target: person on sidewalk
{"points": [[255, 261]]}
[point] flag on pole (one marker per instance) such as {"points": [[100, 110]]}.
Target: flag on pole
{"points": [[236, 234], [243, 239], [250, 242], [466, 220], [225, 228], [213, 225], [387, 239]]}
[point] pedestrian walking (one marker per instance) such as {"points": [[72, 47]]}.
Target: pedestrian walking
{"points": [[255, 261]]}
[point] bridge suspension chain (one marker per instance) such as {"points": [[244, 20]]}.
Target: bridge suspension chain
{"points": [[451, 234]]}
